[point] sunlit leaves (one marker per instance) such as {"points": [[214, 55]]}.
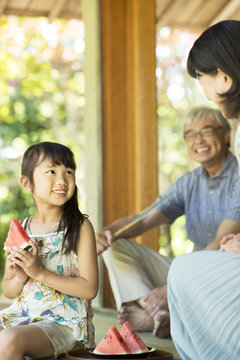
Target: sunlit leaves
{"points": [[177, 93], [42, 95]]}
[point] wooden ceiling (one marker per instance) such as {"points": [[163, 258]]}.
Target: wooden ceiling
{"points": [[191, 14], [195, 14], [67, 9]]}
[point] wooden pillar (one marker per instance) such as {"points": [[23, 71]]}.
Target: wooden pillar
{"points": [[129, 111]]}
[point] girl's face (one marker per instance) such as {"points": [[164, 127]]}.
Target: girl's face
{"points": [[53, 184], [215, 85]]}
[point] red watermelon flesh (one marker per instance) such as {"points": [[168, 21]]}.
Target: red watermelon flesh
{"points": [[112, 343], [16, 236], [132, 339]]}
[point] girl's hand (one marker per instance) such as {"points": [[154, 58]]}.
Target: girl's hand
{"points": [[29, 262], [18, 272]]}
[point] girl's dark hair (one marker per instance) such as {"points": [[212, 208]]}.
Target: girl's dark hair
{"points": [[218, 47], [72, 218]]}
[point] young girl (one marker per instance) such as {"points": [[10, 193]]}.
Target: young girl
{"points": [[53, 283]]}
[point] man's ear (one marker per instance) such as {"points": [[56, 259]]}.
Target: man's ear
{"points": [[26, 183], [224, 82]]}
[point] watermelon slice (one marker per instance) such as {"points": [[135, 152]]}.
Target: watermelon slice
{"points": [[132, 339], [16, 236], [112, 343]]}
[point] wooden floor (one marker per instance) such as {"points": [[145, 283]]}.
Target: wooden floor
{"points": [[105, 318]]}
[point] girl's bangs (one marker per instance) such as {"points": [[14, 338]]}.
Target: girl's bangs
{"points": [[60, 156], [57, 153]]}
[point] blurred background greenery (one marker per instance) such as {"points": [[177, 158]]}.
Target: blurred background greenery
{"points": [[42, 99], [177, 93], [42, 90]]}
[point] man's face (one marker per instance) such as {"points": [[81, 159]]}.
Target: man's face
{"points": [[210, 145]]}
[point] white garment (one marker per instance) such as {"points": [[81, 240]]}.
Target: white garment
{"points": [[204, 303], [134, 270], [38, 302]]}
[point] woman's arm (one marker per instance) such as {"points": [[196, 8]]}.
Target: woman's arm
{"points": [[84, 286]]}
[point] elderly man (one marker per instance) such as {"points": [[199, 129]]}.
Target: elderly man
{"points": [[209, 196]]}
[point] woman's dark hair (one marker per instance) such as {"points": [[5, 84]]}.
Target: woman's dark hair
{"points": [[218, 47], [72, 218]]}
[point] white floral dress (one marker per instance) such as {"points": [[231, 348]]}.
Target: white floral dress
{"points": [[38, 302]]}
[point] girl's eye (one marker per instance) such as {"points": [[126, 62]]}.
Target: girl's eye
{"points": [[69, 172], [51, 172]]}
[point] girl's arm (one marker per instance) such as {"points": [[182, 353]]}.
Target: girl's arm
{"points": [[14, 278], [85, 286]]}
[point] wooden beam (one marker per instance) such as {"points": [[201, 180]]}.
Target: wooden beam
{"points": [[227, 12], [56, 9], [17, 12], [3, 4], [129, 111]]}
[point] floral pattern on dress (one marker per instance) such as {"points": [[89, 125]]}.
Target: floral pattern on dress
{"points": [[39, 302]]}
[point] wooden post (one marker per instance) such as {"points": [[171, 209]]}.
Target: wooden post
{"points": [[129, 111]]}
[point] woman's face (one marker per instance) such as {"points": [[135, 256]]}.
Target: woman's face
{"points": [[215, 85]]}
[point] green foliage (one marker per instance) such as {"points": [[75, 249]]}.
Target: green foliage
{"points": [[177, 93], [42, 98]]}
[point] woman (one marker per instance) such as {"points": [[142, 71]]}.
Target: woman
{"points": [[203, 287]]}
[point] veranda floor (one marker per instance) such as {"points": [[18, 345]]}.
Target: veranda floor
{"points": [[105, 318]]}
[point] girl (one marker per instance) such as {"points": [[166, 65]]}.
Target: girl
{"points": [[53, 283], [203, 287]]}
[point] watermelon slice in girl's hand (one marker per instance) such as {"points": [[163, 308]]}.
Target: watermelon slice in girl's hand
{"points": [[16, 236], [112, 343], [132, 339]]}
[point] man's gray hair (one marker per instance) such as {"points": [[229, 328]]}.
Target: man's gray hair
{"points": [[203, 112]]}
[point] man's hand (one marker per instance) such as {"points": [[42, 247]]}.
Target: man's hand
{"points": [[104, 239], [156, 300]]}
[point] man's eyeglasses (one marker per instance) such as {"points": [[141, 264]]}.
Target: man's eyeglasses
{"points": [[204, 132]]}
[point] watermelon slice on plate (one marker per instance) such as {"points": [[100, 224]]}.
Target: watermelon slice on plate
{"points": [[132, 339], [112, 343], [17, 236]]}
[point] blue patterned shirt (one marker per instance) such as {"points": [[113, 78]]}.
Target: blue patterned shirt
{"points": [[205, 201]]}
